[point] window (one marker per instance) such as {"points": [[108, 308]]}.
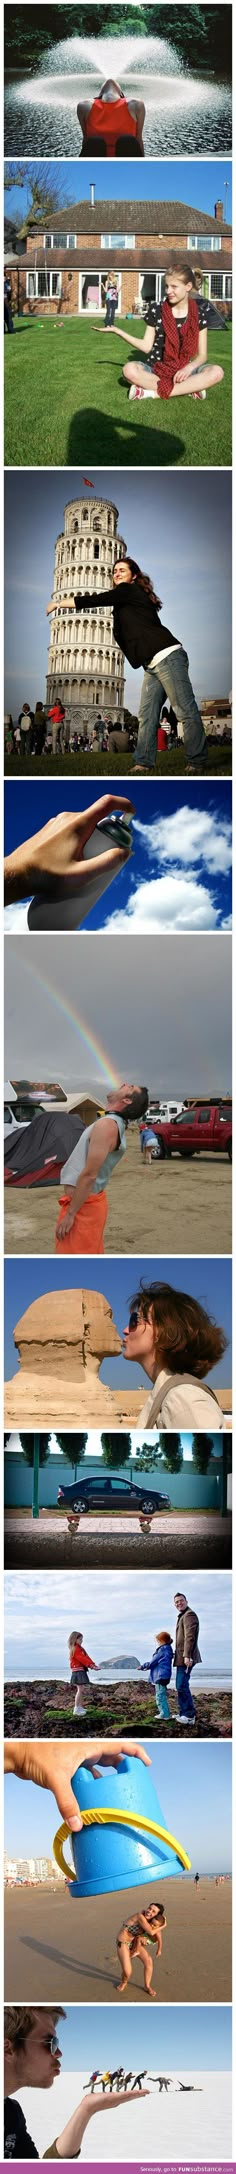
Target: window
{"points": [[228, 287], [59, 241], [117, 241], [217, 284], [204, 241], [71, 241], [48, 241], [44, 286], [188, 1117], [204, 1116]]}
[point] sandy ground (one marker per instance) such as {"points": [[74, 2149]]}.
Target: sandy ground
{"points": [[199, 1541], [151, 1209], [42, 1709], [182, 2125], [60, 1950]]}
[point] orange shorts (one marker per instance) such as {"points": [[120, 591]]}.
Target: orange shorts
{"points": [[86, 1235]]}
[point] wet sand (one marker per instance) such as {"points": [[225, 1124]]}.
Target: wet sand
{"points": [[46, 1709], [60, 1950], [165, 1207]]}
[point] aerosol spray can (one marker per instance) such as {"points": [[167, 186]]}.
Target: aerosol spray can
{"points": [[67, 910]]}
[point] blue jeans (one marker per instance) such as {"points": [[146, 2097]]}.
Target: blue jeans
{"points": [[172, 676], [162, 1702], [185, 1700]]}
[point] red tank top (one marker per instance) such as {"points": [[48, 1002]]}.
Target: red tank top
{"points": [[110, 121]]}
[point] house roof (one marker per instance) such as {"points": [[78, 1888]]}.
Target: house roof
{"points": [[156, 217], [95, 260]]}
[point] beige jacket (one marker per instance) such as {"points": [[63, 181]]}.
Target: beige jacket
{"points": [[184, 1402], [186, 1645]]}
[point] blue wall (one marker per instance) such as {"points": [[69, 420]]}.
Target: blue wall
{"points": [[187, 1489]]}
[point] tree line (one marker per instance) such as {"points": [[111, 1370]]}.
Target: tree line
{"points": [[165, 1453], [201, 35]]}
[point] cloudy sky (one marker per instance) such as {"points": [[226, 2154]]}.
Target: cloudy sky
{"points": [[118, 1614], [179, 874], [193, 1786], [210, 1281], [88, 1017], [179, 525]]}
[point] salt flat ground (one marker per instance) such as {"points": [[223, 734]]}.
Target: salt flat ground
{"points": [[177, 2126], [151, 1208], [60, 1949]]}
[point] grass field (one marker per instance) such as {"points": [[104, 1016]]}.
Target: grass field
{"points": [[174, 764], [66, 403]]}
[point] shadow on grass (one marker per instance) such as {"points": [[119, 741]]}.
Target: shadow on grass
{"points": [[128, 441]]}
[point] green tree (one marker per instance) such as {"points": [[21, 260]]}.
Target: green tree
{"points": [[171, 1452], [73, 1446], [27, 1444], [116, 1450], [202, 1451], [147, 1458]]}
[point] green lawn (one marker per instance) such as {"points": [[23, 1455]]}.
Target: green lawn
{"points": [[66, 404], [219, 764]]}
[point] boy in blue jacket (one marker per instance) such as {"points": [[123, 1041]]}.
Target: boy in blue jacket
{"points": [[160, 1672]]}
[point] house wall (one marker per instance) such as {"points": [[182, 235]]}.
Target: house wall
{"points": [[188, 1490]]}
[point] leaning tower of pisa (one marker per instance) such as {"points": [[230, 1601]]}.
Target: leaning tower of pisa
{"points": [[85, 666]]}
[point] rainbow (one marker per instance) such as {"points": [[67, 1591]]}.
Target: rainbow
{"points": [[89, 1041]]}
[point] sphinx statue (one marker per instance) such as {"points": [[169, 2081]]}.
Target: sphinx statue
{"points": [[61, 1340]]}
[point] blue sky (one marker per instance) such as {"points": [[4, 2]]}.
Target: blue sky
{"points": [[118, 1614], [208, 1280], [199, 185], [180, 527], [191, 2038], [180, 870], [193, 1785], [85, 1020]]}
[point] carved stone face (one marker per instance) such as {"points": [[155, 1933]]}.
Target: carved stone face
{"points": [[79, 1319]]}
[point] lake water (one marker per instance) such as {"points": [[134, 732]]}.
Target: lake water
{"points": [[185, 115]]}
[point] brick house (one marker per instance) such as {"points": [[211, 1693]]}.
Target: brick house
{"points": [[64, 270]]}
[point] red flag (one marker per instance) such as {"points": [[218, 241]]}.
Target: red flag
{"points": [[85, 479]]}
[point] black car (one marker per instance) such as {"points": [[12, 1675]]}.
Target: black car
{"points": [[111, 1493]]}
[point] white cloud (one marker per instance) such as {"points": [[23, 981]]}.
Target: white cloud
{"points": [[167, 902], [189, 836]]}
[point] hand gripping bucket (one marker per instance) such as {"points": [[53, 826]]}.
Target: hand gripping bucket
{"points": [[125, 1841]]}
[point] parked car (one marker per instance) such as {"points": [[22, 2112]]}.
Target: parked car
{"points": [[105, 1494], [207, 1126]]}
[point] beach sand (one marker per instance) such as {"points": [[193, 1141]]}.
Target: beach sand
{"points": [[167, 1207], [60, 1950], [46, 1709]]}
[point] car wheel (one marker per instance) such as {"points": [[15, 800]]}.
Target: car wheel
{"points": [[147, 1507], [158, 1152], [79, 1504]]}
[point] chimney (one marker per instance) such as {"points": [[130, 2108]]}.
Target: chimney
{"points": [[219, 211], [92, 193]]}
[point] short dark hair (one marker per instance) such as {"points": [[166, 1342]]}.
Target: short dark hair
{"points": [[188, 1336], [137, 1106]]}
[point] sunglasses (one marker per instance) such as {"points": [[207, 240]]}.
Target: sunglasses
{"points": [[51, 2043], [134, 1318]]}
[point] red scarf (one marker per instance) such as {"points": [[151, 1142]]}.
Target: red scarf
{"points": [[180, 346]]}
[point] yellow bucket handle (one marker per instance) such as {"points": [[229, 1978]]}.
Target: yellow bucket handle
{"points": [[124, 1819]]}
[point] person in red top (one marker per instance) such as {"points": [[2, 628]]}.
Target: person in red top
{"points": [[57, 715], [112, 126], [80, 1661]]}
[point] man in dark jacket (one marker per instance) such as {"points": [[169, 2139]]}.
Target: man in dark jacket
{"points": [[186, 1657]]}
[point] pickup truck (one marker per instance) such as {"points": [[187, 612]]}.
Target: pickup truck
{"points": [[208, 1125]]}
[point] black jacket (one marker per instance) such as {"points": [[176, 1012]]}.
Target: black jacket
{"points": [[137, 626], [17, 2142]]}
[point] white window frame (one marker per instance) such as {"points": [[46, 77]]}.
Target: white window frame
{"points": [[50, 241], [109, 241], [34, 273], [99, 276], [204, 241]]}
